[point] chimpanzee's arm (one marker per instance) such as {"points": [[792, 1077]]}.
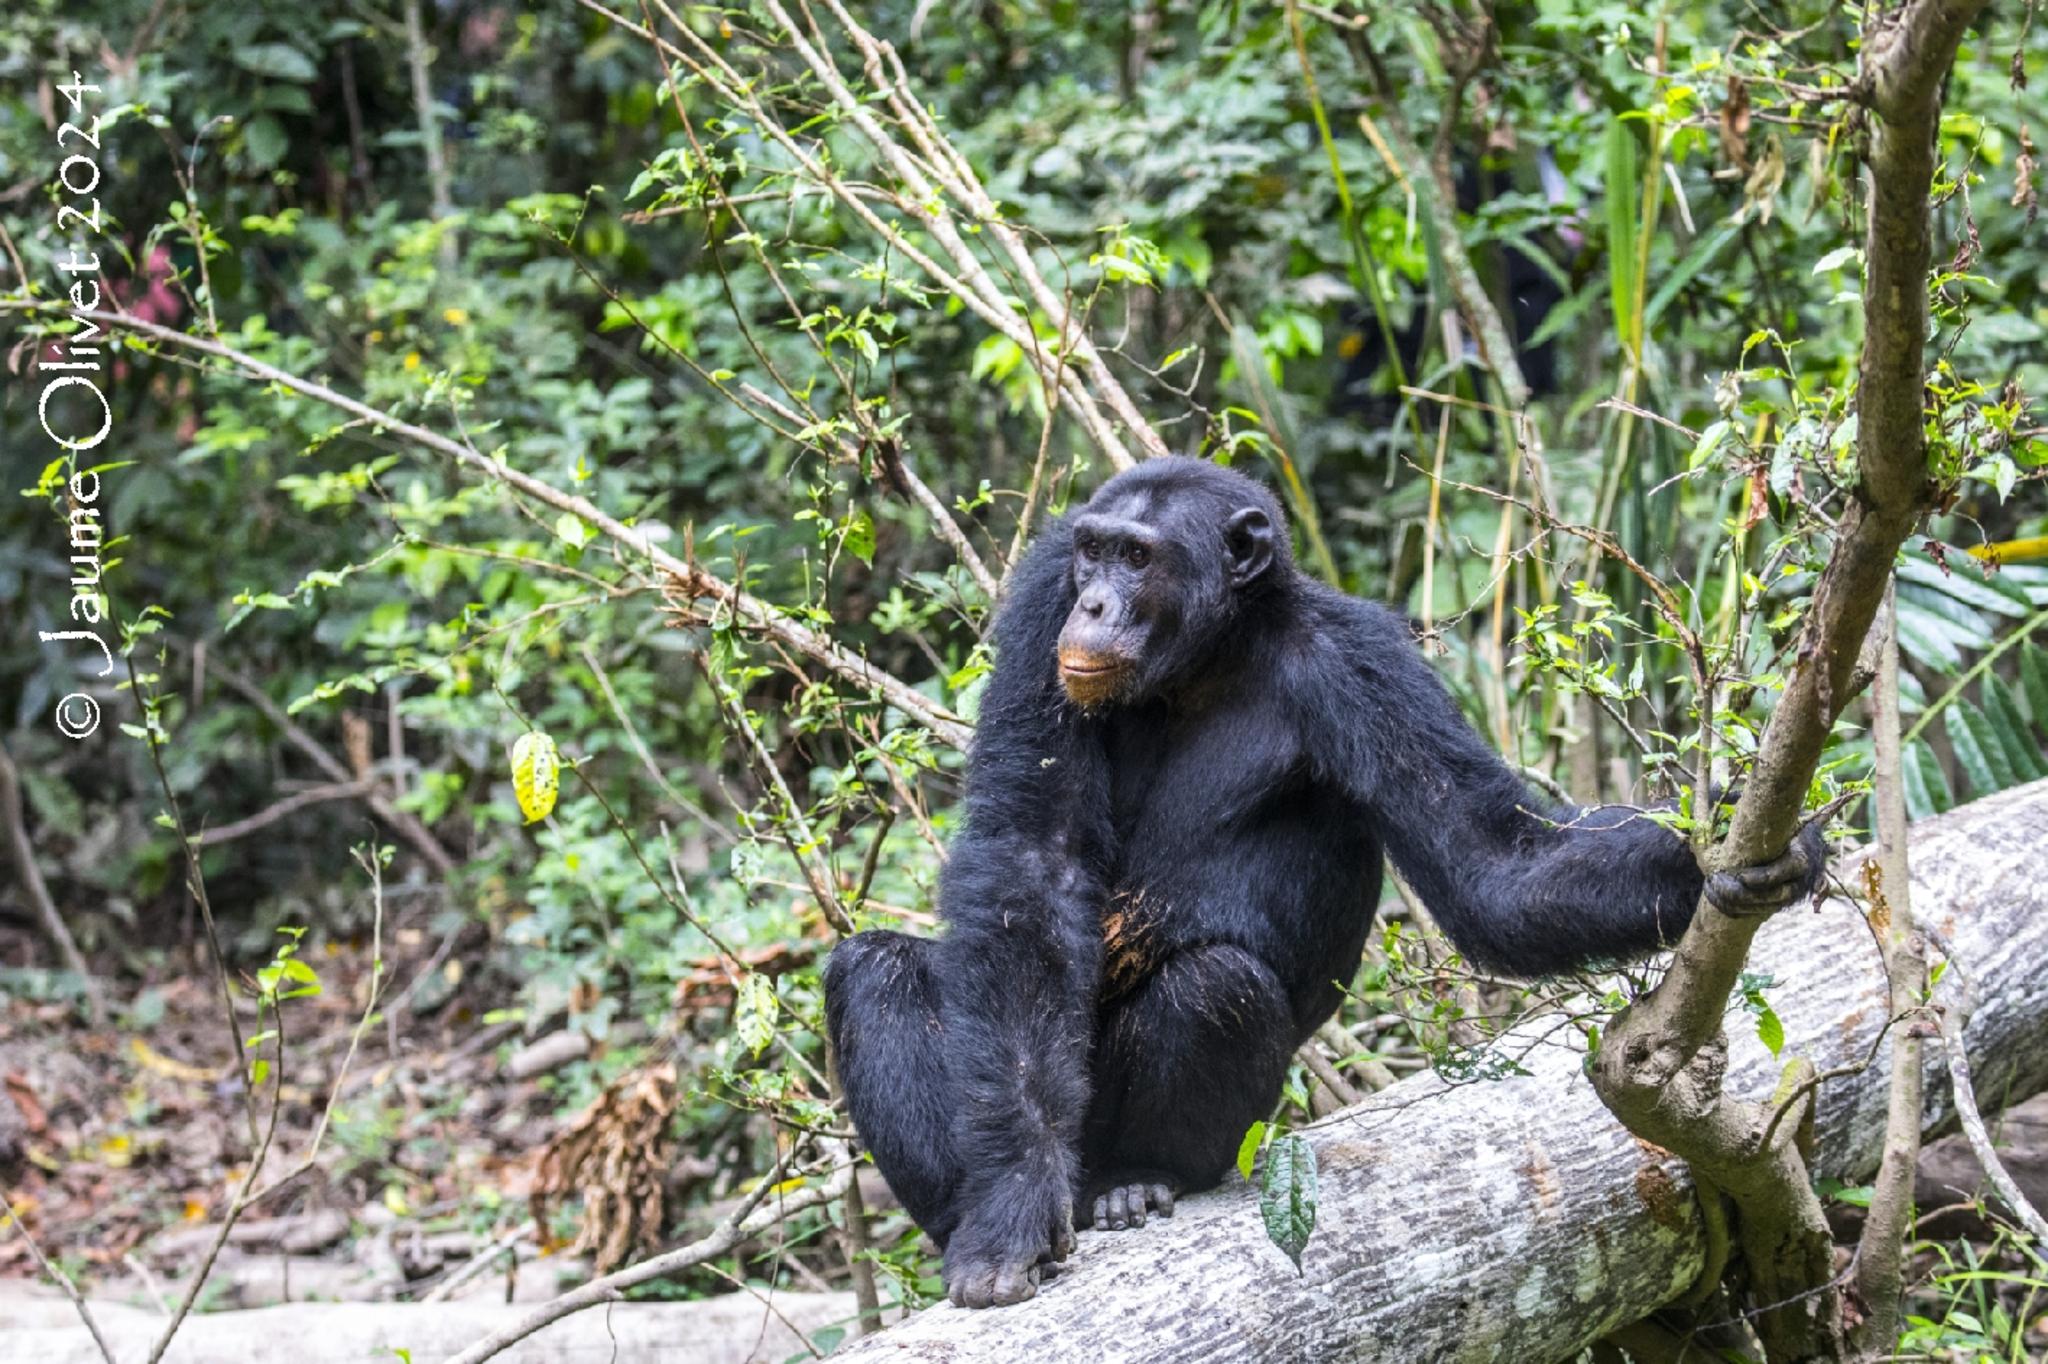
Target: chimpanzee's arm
{"points": [[1021, 955], [1520, 884]]}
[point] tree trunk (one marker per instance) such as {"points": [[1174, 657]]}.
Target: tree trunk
{"points": [[1516, 1219]]}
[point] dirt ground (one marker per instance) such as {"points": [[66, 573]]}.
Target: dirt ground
{"points": [[119, 1146]]}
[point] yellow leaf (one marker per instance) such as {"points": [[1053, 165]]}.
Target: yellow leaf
{"points": [[412, 359], [455, 317], [154, 1060], [394, 1199], [536, 771]]}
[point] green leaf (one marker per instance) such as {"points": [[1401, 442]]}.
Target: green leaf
{"points": [[1709, 441], [1855, 1195], [571, 531], [1770, 1030], [2022, 751], [1919, 800], [265, 140], [279, 61], [1287, 1195], [1924, 638], [1965, 582], [2034, 678], [860, 538], [1836, 259], [1939, 794], [1248, 1149], [1623, 267], [1699, 258], [1977, 749]]}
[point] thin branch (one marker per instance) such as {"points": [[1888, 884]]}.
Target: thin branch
{"points": [[406, 824], [481, 1261], [802, 843], [56, 1276], [263, 819], [898, 467], [687, 581], [417, 58], [676, 798], [1954, 1019], [746, 1221], [22, 849], [1881, 1248]]}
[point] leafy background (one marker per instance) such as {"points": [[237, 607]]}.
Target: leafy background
{"points": [[1659, 206]]}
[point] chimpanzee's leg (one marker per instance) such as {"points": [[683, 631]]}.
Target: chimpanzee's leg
{"points": [[882, 1010], [1184, 1065]]}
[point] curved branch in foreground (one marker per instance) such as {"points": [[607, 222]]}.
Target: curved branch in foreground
{"points": [[1517, 1219], [753, 612]]}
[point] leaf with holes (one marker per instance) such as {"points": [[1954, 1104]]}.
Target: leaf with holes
{"points": [[536, 774], [754, 1011], [1287, 1195]]}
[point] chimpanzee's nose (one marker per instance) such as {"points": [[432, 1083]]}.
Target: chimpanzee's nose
{"points": [[1093, 605]]}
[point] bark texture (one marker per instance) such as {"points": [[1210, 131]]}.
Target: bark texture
{"points": [[732, 1329], [1517, 1220]]}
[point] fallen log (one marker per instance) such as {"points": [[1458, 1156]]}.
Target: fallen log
{"points": [[735, 1328], [1515, 1219]]}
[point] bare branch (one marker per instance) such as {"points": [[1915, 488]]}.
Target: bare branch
{"points": [[290, 805], [404, 822], [22, 851], [56, 1276], [746, 1221]]}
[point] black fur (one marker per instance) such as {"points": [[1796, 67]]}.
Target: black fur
{"points": [[1154, 901]]}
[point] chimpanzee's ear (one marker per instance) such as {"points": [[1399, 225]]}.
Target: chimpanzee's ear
{"points": [[1247, 544]]}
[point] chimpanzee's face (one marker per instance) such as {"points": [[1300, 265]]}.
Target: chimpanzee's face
{"points": [[1155, 577]]}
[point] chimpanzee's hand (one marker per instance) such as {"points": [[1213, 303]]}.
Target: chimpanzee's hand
{"points": [[1006, 1244], [1755, 892]]}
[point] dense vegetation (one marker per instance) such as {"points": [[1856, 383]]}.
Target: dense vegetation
{"points": [[1543, 320]]}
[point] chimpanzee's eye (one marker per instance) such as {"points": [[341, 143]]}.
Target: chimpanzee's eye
{"points": [[1137, 556], [1090, 551]]}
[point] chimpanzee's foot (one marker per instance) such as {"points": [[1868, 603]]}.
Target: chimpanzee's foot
{"points": [[1121, 1198], [999, 1253]]}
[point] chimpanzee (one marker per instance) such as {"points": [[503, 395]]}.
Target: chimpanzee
{"points": [[1189, 762]]}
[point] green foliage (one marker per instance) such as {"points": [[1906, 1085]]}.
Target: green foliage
{"points": [[1287, 1194], [646, 300]]}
